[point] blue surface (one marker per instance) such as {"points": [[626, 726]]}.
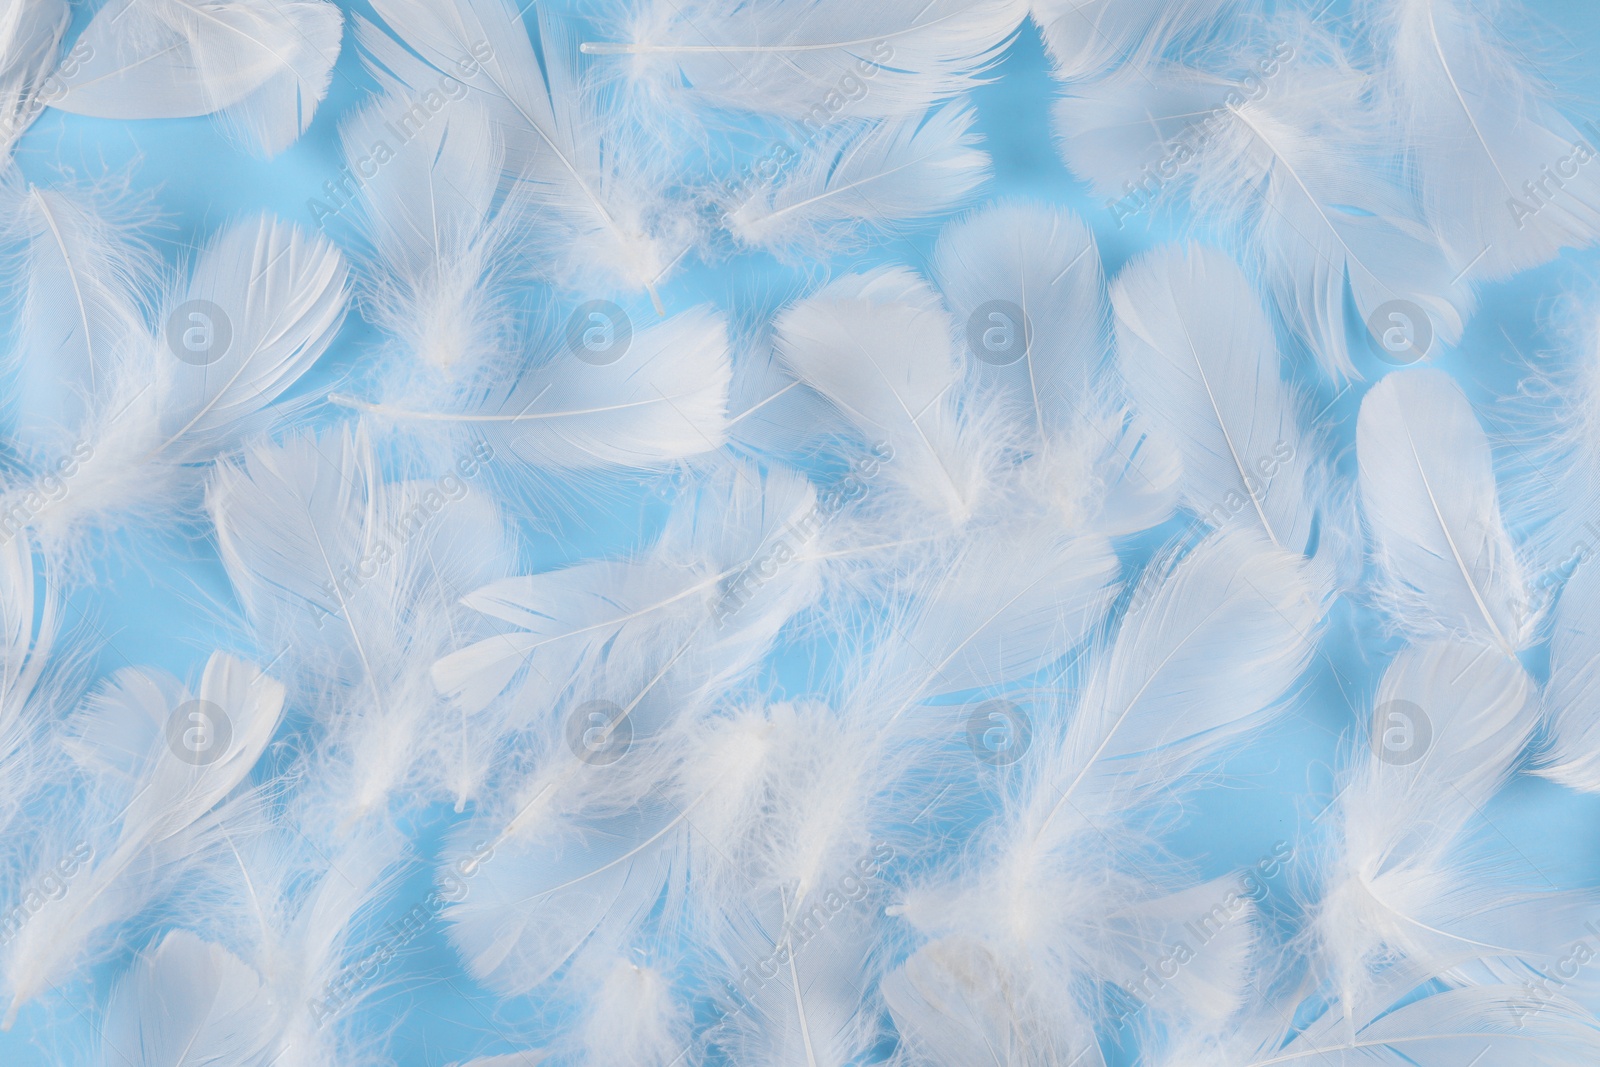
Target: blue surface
{"points": [[163, 600]]}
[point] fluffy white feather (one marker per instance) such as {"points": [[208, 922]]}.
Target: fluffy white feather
{"points": [[603, 219], [662, 399], [317, 543], [859, 175], [262, 68], [1446, 562], [1200, 360], [880, 347], [1044, 261], [1506, 180], [800, 59], [147, 803], [1409, 892], [1292, 162], [30, 37], [138, 408], [1085, 38], [1570, 696]]}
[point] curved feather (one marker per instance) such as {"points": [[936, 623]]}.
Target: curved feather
{"points": [[264, 68], [1446, 561]]}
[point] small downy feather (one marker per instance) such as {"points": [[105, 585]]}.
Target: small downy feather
{"points": [[1036, 911], [291, 910], [604, 396], [185, 1003], [701, 585], [1044, 262], [1223, 635], [84, 281], [442, 246], [1086, 38], [1490, 151], [1411, 893], [158, 760], [263, 304], [603, 218], [262, 68], [1292, 159], [864, 175], [1573, 692], [30, 37], [1199, 358], [1446, 561], [879, 346], [805, 60], [315, 540]]}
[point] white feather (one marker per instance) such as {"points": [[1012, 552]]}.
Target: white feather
{"points": [[317, 543], [263, 67], [30, 37], [859, 175], [269, 301], [879, 346], [1490, 151], [1293, 164], [146, 803], [1200, 361], [1446, 562], [185, 1003], [1085, 38], [603, 220], [663, 398], [1045, 262], [800, 59]]}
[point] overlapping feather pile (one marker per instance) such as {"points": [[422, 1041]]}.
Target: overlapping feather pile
{"points": [[946, 573]]}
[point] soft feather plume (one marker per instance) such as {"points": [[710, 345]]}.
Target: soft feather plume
{"points": [[262, 68], [30, 37], [1292, 162], [1410, 893], [1045, 262], [880, 347], [1446, 563], [663, 397], [1200, 361], [1570, 696], [312, 535], [1085, 38], [441, 257], [800, 59], [603, 218], [291, 913], [128, 411], [864, 175], [1491, 153], [1224, 635], [157, 760]]}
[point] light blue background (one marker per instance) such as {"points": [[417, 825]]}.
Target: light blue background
{"points": [[162, 598]]}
